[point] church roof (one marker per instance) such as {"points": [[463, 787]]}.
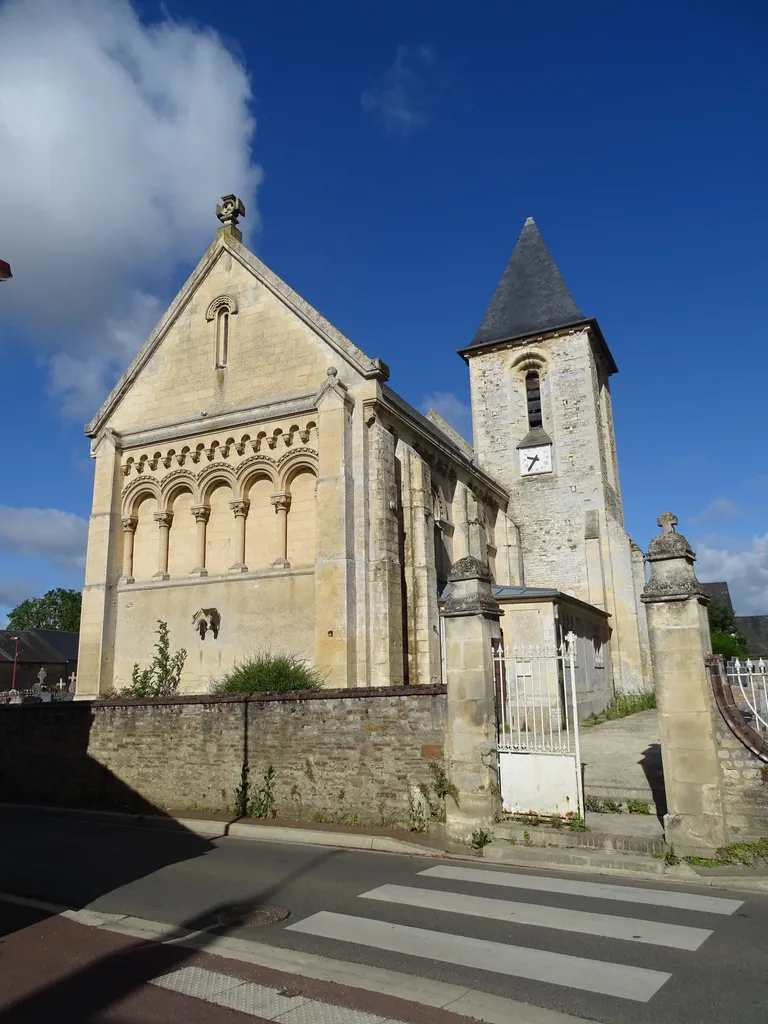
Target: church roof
{"points": [[530, 297]]}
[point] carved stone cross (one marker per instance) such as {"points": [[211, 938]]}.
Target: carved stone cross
{"points": [[230, 209], [41, 675], [667, 522]]}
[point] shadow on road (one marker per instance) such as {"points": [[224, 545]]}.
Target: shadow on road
{"points": [[42, 765], [92, 989]]}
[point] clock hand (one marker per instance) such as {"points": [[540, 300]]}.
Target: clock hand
{"points": [[532, 461]]}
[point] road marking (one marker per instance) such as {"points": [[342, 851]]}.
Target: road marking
{"points": [[637, 983], [259, 1000], [595, 890], [629, 928], [481, 1006]]}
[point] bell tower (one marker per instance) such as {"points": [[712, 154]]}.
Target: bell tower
{"points": [[542, 423]]}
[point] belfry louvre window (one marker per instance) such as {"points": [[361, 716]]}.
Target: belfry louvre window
{"points": [[533, 398], [222, 336]]}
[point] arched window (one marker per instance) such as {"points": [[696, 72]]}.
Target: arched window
{"points": [[533, 398], [222, 337], [221, 311]]}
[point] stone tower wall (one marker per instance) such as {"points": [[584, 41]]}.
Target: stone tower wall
{"points": [[570, 520]]}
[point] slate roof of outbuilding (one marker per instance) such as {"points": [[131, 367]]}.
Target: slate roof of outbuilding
{"points": [[39, 646], [531, 296], [719, 594]]}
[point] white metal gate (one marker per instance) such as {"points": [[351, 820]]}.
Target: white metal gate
{"points": [[538, 728]]}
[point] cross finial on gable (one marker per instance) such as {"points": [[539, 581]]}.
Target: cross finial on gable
{"points": [[229, 210], [667, 522]]}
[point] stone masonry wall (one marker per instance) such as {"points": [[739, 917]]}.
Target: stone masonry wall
{"points": [[336, 754], [744, 786]]}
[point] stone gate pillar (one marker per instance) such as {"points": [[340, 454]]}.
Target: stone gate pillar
{"points": [[471, 621], [678, 629]]}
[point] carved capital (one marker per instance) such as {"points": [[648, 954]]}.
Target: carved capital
{"points": [[202, 513], [129, 523], [281, 501], [163, 519], [240, 508]]}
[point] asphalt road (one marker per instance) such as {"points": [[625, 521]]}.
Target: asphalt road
{"points": [[611, 954]]}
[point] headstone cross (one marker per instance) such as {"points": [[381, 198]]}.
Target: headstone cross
{"points": [[667, 522], [41, 676], [72, 677]]}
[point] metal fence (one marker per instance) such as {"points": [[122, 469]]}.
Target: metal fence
{"points": [[749, 683]]}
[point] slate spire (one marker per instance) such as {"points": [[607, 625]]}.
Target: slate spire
{"points": [[531, 295]]}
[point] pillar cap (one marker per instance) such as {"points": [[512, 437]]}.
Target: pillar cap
{"points": [[470, 568], [471, 592], [671, 559]]}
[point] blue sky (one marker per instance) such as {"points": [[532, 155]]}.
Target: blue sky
{"points": [[389, 155]]}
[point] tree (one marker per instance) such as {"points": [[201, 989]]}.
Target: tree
{"points": [[57, 609], [727, 638]]}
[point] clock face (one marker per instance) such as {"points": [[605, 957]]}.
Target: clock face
{"points": [[536, 460]]}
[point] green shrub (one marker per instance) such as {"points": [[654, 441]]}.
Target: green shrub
{"points": [[269, 673], [481, 837], [638, 807], [623, 705], [162, 677]]}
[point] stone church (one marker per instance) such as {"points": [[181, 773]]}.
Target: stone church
{"points": [[259, 486]]}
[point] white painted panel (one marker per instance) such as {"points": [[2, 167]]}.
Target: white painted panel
{"points": [[625, 982], [543, 783], [630, 929], [593, 890]]}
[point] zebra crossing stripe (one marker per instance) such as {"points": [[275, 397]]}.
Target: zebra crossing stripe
{"points": [[637, 983], [593, 890], [629, 928]]}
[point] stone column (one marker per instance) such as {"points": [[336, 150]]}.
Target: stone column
{"points": [[282, 503], [385, 617], [202, 514], [471, 621], [678, 630], [240, 508], [129, 532], [335, 611], [163, 520], [106, 547], [419, 567]]}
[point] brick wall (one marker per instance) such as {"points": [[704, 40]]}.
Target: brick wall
{"points": [[336, 754]]}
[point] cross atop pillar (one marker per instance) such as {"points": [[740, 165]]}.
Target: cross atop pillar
{"points": [[229, 211], [667, 521]]}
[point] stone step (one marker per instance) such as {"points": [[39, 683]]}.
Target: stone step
{"points": [[636, 834]]}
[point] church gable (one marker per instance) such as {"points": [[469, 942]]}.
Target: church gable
{"points": [[236, 336]]}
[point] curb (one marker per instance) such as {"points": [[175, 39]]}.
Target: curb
{"points": [[499, 853]]}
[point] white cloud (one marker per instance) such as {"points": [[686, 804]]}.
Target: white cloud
{"points": [[78, 382], [744, 566], [721, 510], [13, 592], [404, 97], [452, 409], [117, 140], [47, 533]]}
